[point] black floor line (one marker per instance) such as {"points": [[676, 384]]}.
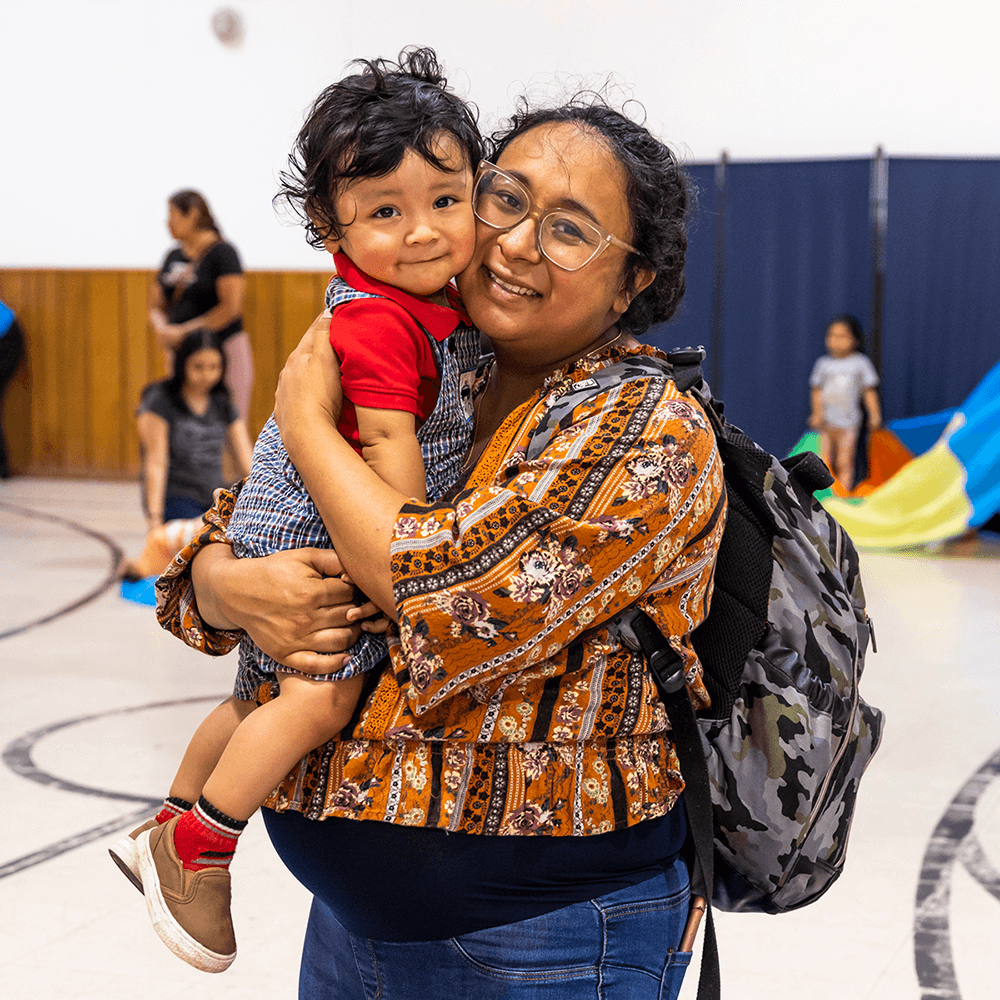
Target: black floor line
{"points": [[131, 819], [17, 757], [953, 840], [109, 581]]}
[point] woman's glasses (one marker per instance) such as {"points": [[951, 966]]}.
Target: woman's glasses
{"points": [[567, 238]]}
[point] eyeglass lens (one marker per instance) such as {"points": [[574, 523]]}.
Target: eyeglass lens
{"points": [[565, 237]]}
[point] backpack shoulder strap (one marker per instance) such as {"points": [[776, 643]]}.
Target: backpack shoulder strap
{"points": [[636, 630], [561, 408]]}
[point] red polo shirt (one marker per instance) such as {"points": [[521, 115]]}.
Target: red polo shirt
{"points": [[386, 362]]}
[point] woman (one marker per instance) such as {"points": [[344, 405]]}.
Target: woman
{"points": [[508, 713], [185, 423], [200, 287]]}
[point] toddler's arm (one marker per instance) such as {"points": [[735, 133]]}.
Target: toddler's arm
{"points": [[389, 445], [874, 409], [238, 437], [816, 416]]}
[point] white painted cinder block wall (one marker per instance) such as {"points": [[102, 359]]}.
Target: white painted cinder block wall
{"points": [[110, 105]]}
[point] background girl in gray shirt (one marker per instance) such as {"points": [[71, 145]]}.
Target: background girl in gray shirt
{"points": [[842, 381]]}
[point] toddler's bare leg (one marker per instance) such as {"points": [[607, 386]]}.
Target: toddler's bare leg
{"points": [[844, 456], [207, 746], [269, 743], [826, 448]]}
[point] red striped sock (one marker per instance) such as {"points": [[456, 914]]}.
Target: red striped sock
{"points": [[172, 806], [206, 837]]}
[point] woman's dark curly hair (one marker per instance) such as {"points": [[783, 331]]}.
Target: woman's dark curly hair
{"points": [[363, 125], [656, 191]]}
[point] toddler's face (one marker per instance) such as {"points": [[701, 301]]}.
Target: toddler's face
{"points": [[839, 340], [414, 228]]}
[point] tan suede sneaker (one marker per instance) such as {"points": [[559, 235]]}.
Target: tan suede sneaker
{"points": [[189, 910], [122, 853]]}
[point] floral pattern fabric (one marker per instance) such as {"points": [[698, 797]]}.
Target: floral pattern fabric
{"points": [[508, 707]]}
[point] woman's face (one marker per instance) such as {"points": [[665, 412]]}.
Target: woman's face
{"points": [[180, 225], [203, 370], [518, 297]]}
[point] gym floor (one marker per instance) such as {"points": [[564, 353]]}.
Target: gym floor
{"points": [[100, 703]]}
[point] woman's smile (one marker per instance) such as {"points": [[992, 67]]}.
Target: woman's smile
{"points": [[511, 286]]}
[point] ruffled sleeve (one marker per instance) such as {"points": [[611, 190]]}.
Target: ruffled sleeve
{"points": [[176, 607]]}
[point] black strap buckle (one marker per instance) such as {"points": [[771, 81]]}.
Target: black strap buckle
{"points": [[636, 631]]}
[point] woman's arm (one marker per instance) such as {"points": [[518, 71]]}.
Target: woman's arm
{"points": [[505, 574], [157, 310], [230, 289], [241, 445], [624, 503], [293, 604], [357, 507], [154, 438]]}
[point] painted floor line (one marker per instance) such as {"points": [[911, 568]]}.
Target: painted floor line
{"points": [[953, 839], [110, 580], [17, 757]]}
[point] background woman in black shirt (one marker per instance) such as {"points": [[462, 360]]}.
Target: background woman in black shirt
{"points": [[200, 287]]}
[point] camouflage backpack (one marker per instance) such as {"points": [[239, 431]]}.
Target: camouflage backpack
{"points": [[772, 769]]}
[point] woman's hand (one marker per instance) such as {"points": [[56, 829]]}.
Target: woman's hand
{"points": [[308, 387], [293, 603], [169, 335], [369, 616]]}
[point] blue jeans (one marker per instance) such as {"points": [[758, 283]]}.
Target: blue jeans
{"points": [[181, 509], [620, 946]]}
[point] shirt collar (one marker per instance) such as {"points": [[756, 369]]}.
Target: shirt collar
{"points": [[438, 321]]}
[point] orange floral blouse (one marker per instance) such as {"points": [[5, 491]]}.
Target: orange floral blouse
{"points": [[508, 708]]}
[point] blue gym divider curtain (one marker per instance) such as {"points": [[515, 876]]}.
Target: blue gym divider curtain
{"points": [[797, 249], [942, 286]]}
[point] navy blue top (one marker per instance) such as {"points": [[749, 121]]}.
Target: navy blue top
{"points": [[402, 883]]}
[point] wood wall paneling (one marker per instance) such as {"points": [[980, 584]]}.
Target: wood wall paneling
{"points": [[262, 317], [69, 410], [69, 329], [50, 412], [143, 360]]}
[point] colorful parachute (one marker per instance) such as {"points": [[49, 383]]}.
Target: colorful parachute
{"points": [[948, 488]]}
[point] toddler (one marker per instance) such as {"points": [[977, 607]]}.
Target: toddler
{"points": [[841, 381], [381, 174]]}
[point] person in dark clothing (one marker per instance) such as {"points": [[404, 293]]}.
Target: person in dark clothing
{"points": [[11, 352], [200, 287]]}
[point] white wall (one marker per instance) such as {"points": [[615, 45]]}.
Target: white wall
{"points": [[110, 105]]}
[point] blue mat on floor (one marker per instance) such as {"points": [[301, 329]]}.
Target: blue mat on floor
{"points": [[140, 592]]}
